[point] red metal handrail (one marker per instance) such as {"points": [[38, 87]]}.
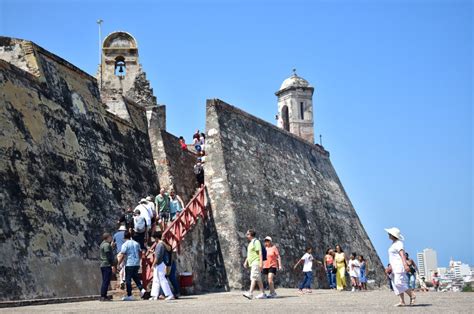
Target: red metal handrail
{"points": [[176, 231]]}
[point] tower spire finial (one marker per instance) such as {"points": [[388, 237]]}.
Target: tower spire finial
{"points": [[294, 72]]}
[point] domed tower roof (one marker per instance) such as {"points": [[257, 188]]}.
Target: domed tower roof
{"points": [[293, 81], [119, 40]]}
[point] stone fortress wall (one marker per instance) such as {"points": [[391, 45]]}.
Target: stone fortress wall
{"points": [[200, 251], [70, 158], [261, 177], [66, 167]]}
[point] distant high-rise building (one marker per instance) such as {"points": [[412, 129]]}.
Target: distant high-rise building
{"points": [[459, 269], [420, 260], [427, 263]]}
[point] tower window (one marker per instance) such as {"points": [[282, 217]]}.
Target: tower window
{"points": [[285, 117], [120, 67], [302, 110]]}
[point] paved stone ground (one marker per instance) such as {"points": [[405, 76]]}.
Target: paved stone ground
{"points": [[288, 302]]}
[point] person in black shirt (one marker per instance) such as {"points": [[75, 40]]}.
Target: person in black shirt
{"points": [[127, 219]]}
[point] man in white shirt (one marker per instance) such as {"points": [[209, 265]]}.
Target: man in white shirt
{"points": [[151, 211]]}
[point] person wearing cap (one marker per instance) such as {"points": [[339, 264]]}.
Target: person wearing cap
{"points": [[145, 212], [271, 264], [118, 241], [399, 267]]}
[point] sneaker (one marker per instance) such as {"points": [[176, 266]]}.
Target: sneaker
{"points": [[353, 289], [128, 298], [274, 295], [261, 296], [171, 297], [248, 295], [102, 299], [142, 292], [153, 299]]}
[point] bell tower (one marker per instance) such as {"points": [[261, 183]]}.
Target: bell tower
{"points": [[119, 64], [122, 82], [295, 107]]}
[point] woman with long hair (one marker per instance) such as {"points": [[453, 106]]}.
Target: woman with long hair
{"points": [[363, 273], [341, 265]]}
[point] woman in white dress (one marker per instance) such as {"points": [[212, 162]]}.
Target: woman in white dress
{"points": [[399, 265]]}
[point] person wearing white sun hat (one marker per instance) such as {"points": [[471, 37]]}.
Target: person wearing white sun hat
{"points": [[399, 265]]}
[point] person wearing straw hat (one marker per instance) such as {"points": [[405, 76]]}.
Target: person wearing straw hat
{"points": [[399, 266]]}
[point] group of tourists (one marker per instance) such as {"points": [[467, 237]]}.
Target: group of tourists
{"points": [[140, 233], [199, 144], [337, 265], [266, 260]]}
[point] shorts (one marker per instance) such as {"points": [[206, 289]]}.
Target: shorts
{"points": [[271, 270], [165, 216], [255, 273]]}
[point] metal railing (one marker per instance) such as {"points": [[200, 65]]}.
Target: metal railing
{"points": [[177, 230]]}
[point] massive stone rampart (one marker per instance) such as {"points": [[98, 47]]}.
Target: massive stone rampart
{"points": [[200, 251], [262, 177], [66, 167]]}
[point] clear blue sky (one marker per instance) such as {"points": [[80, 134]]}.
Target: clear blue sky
{"points": [[393, 82]]}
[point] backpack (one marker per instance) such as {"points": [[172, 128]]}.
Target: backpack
{"points": [[128, 220], [264, 250], [198, 170], [140, 224], [167, 259]]}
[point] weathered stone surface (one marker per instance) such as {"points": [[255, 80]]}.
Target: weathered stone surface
{"points": [[68, 162], [200, 251], [262, 177], [66, 167]]}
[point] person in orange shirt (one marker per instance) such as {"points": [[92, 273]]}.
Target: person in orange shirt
{"points": [[271, 264]]}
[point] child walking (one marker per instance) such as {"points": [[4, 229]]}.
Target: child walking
{"points": [[354, 272], [307, 259]]}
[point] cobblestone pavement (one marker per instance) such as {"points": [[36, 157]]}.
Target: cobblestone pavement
{"points": [[288, 302]]}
